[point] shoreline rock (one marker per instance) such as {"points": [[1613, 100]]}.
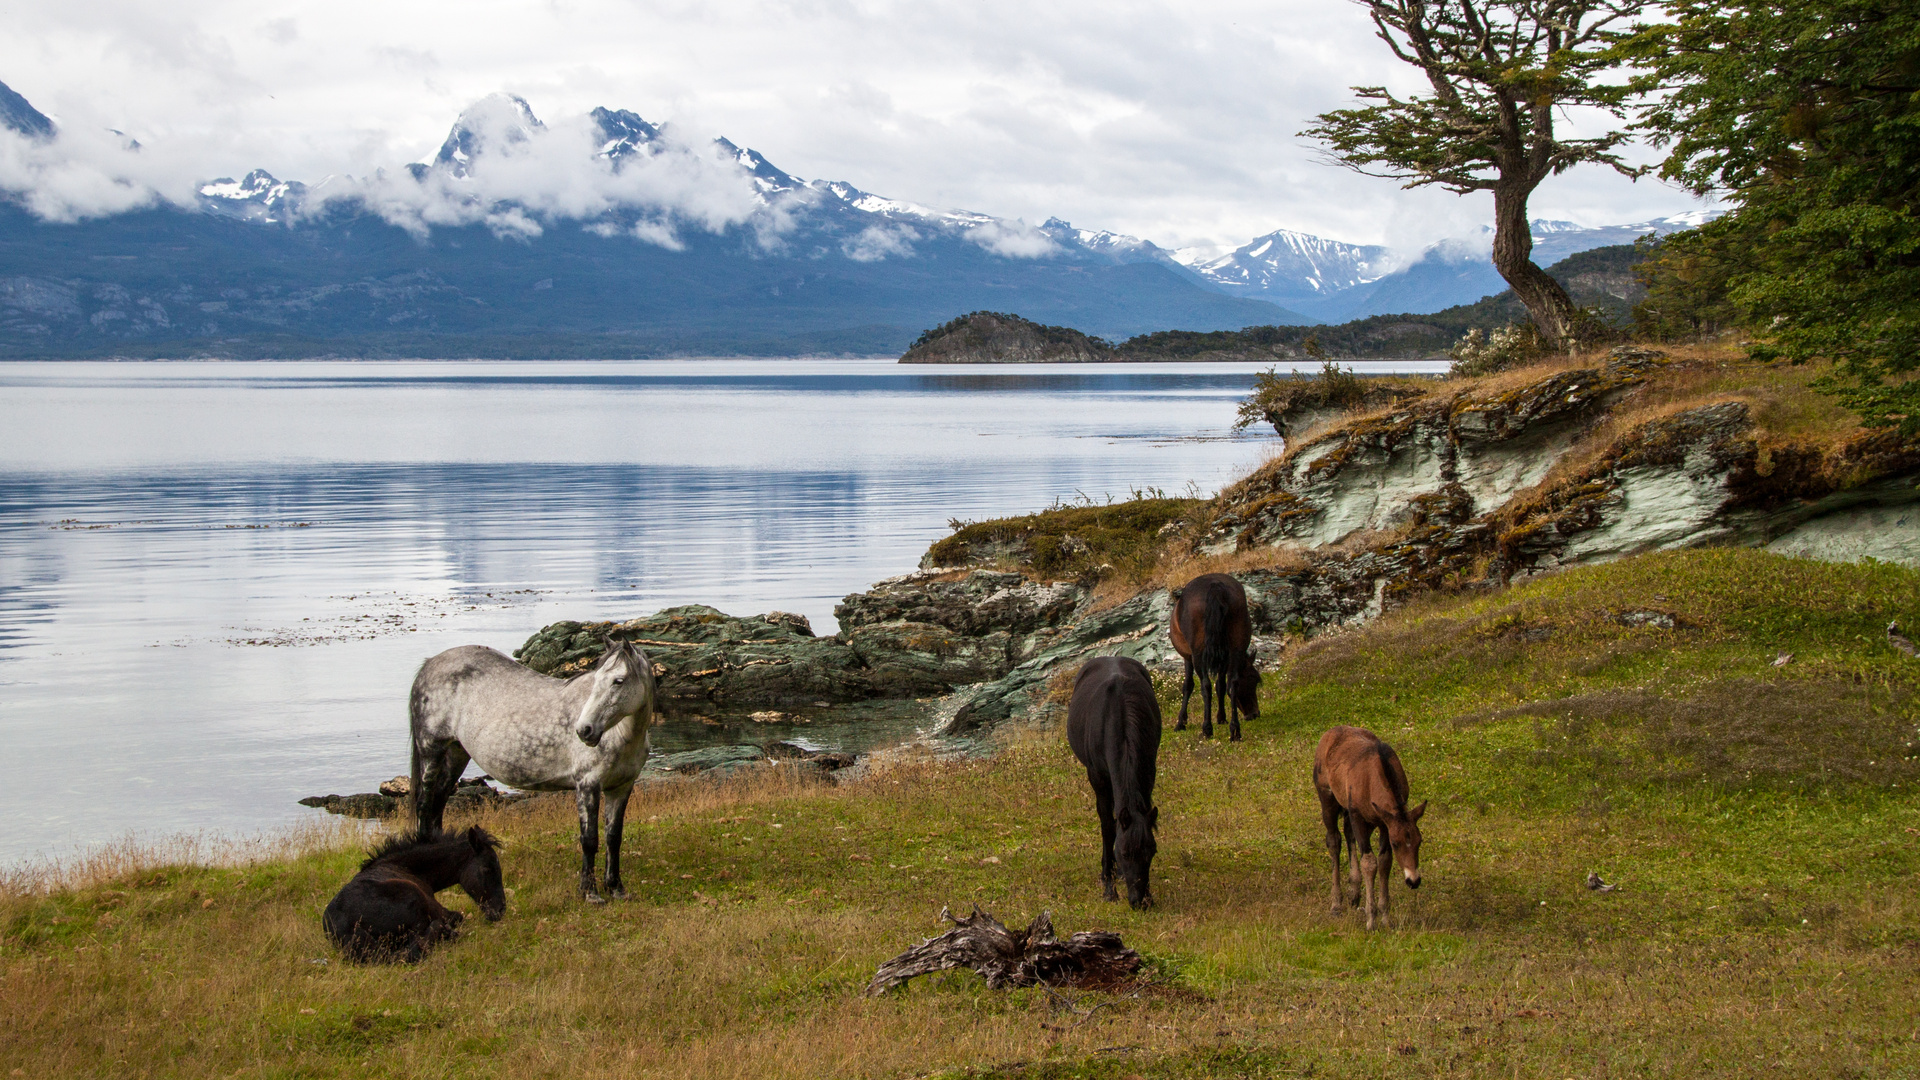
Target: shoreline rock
{"points": [[472, 794]]}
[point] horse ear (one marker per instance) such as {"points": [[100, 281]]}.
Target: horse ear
{"points": [[1414, 814]]}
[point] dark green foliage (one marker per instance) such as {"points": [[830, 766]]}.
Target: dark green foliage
{"points": [[1806, 115], [984, 334], [1070, 540], [1686, 277]]}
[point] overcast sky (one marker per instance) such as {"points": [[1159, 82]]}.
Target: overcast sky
{"points": [[1171, 121]]}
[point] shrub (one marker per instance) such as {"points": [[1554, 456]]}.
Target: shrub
{"points": [[1483, 354]]}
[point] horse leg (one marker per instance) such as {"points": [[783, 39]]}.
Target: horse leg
{"points": [[1103, 802], [1230, 705], [1186, 695], [1356, 838], [1206, 704], [616, 820], [1369, 869], [1330, 817], [586, 798], [444, 764], [1386, 878]]}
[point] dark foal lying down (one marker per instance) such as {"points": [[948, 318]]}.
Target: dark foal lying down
{"points": [[387, 912]]}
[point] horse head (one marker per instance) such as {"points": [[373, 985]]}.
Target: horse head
{"points": [[621, 685], [1246, 686], [1403, 833], [481, 877], [1133, 850]]}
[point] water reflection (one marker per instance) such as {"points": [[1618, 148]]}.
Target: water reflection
{"points": [[216, 580]]}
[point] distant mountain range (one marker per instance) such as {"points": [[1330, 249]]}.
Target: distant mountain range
{"points": [[609, 236], [1335, 282]]}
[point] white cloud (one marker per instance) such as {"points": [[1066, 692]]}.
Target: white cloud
{"points": [[522, 175], [1012, 239], [1171, 121], [876, 242]]}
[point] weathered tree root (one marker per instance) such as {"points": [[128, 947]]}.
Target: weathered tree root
{"points": [[1092, 959]]}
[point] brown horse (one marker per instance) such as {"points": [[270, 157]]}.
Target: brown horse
{"points": [[1214, 635], [1361, 777]]}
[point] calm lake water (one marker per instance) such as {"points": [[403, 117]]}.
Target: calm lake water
{"points": [[217, 579]]}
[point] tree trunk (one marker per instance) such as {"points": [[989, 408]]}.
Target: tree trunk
{"points": [[1548, 305], [1094, 959]]}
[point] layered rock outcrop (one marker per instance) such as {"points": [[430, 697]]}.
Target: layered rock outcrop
{"points": [[1560, 470]]}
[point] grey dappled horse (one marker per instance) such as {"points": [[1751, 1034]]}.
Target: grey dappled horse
{"points": [[587, 734]]}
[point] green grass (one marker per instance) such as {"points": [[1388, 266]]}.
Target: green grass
{"points": [[1760, 821], [1094, 541]]}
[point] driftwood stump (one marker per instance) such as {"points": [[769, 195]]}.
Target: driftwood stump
{"points": [[1094, 959]]}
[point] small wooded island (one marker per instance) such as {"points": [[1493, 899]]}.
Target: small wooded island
{"points": [[1600, 280]]}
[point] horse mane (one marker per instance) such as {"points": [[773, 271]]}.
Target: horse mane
{"points": [[1389, 757], [399, 843], [615, 646]]}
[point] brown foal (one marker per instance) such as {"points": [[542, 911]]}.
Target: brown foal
{"points": [[1357, 775]]}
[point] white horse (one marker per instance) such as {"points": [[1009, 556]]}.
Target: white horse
{"points": [[587, 734]]}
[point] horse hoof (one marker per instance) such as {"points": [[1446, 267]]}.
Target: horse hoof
{"points": [[593, 898], [617, 893]]}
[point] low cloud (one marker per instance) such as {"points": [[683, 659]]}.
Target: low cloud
{"points": [[1013, 239], [876, 243], [84, 174], [523, 177]]}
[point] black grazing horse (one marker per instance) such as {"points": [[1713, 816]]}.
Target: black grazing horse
{"points": [[387, 912], [1113, 725], [1214, 635]]}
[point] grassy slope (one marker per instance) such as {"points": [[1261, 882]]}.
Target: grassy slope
{"points": [[1766, 842]]}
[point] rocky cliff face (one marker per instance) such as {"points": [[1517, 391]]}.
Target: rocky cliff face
{"points": [[1483, 486], [1456, 489]]}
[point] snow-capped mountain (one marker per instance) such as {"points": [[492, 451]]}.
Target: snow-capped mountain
{"points": [[609, 235], [256, 197], [1290, 264], [491, 125], [17, 114], [1334, 282], [781, 207], [602, 235]]}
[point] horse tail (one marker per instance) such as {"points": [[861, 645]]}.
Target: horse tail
{"points": [[1214, 621], [416, 722]]}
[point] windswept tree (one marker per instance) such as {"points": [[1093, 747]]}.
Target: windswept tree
{"points": [[1499, 71]]}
